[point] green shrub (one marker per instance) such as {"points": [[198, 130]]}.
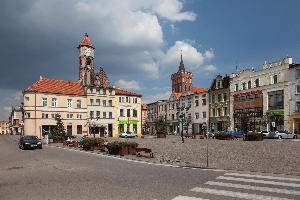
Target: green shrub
{"points": [[251, 136], [223, 136], [91, 143], [115, 147]]}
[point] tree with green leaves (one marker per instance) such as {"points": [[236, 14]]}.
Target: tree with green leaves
{"points": [[161, 127], [59, 131]]}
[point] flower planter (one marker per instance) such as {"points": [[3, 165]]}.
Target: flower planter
{"points": [[123, 151], [161, 135], [131, 150]]}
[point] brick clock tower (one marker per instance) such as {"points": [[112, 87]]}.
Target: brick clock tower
{"points": [[182, 80], [86, 61]]}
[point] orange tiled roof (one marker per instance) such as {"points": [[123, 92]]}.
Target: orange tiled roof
{"points": [[52, 86], [86, 41], [199, 90], [177, 94], [120, 91]]}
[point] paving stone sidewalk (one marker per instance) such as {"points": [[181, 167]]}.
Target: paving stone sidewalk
{"points": [[270, 156]]}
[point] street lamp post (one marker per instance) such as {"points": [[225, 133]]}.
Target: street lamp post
{"points": [[204, 127]]}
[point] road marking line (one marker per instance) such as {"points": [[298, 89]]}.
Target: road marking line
{"points": [[235, 194], [258, 181], [250, 187], [187, 198], [264, 177]]}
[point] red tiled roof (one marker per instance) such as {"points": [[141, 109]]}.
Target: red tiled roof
{"points": [[52, 86], [177, 94], [86, 41], [120, 91], [144, 106], [199, 90]]}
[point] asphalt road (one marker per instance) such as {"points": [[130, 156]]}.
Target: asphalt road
{"points": [[53, 173]]}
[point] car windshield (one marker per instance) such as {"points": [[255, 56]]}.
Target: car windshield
{"points": [[30, 138]]}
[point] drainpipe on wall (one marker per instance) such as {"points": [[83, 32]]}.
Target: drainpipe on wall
{"points": [[35, 113]]}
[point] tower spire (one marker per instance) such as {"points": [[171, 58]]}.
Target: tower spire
{"points": [[181, 66]]}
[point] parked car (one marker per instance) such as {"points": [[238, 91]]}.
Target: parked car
{"points": [[30, 142], [285, 135], [128, 135], [267, 134]]}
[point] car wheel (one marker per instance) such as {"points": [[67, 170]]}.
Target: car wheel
{"points": [[279, 137], [22, 147], [295, 137]]}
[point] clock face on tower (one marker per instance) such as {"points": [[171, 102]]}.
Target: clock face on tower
{"points": [[87, 51]]}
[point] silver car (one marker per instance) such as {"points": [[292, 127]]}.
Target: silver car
{"points": [[285, 135]]}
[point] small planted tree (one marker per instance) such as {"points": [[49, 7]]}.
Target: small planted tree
{"points": [[161, 127], [59, 132]]}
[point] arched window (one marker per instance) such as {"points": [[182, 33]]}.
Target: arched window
{"points": [[257, 82]]}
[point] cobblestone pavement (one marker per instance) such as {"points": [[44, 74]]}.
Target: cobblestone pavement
{"points": [[270, 156]]}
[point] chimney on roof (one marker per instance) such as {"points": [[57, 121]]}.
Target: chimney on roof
{"points": [[41, 77]]}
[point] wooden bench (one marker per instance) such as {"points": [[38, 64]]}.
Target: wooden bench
{"points": [[146, 150], [190, 136]]}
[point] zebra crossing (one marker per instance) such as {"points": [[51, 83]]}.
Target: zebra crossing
{"points": [[245, 186]]}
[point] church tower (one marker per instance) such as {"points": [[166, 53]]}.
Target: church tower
{"points": [[86, 61], [182, 80]]}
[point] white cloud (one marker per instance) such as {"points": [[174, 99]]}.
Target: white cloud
{"points": [[192, 58], [134, 85], [171, 10], [209, 68], [155, 97], [7, 109]]}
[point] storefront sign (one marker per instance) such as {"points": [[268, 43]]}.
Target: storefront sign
{"points": [[248, 93], [276, 112], [127, 122]]}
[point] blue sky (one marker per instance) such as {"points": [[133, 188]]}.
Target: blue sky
{"points": [[138, 42]]}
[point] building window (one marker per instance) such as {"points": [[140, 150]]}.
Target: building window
{"points": [[219, 97], [257, 82], [44, 102], [134, 113], [91, 114], [91, 102], [249, 84], [104, 91], [44, 115], [79, 116], [275, 79], [219, 112], [110, 92], [213, 98], [69, 116], [197, 103], [225, 96], [225, 111], [244, 86], [78, 103], [298, 106], [213, 112], [104, 115], [297, 89], [28, 115], [97, 114], [53, 116], [104, 103], [98, 102], [54, 102], [120, 99], [79, 129], [276, 100], [110, 115], [197, 115], [297, 73], [69, 103], [203, 102], [97, 91], [236, 87], [27, 98], [204, 114], [110, 103], [121, 112], [128, 112]]}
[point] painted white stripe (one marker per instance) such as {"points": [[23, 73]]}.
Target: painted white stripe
{"points": [[241, 195], [264, 177], [250, 187], [187, 198], [258, 181]]}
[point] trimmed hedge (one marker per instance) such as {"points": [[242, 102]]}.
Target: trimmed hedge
{"points": [[91, 143], [253, 137], [223, 136], [116, 146]]}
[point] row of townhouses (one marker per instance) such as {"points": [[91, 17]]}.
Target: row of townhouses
{"points": [[264, 99], [87, 106]]}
